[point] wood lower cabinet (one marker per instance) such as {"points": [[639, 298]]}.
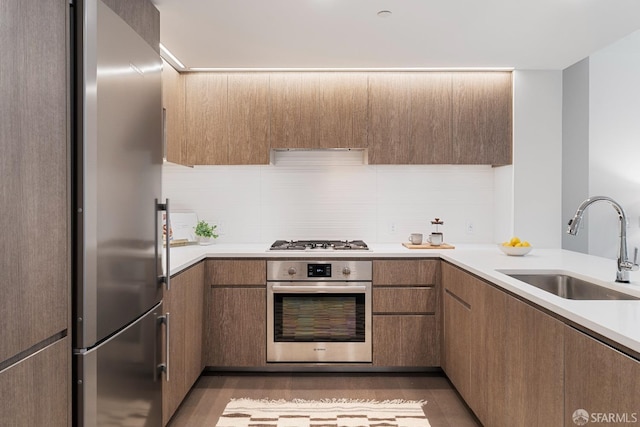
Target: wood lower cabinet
{"points": [[236, 313], [405, 340], [534, 367], [406, 314], [457, 341], [35, 391], [184, 304], [599, 380], [503, 356]]}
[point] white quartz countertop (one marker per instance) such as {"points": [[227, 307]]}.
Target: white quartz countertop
{"points": [[618, 321]]}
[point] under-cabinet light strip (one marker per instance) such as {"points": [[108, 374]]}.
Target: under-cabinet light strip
{"points": [[171, 56], [248, 69]]}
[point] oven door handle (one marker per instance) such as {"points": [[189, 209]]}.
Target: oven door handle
{"points": [[319, 289]]}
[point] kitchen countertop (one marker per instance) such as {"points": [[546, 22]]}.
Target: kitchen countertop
{"points": [[618, 321]]}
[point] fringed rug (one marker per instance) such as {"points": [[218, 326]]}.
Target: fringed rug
{"points": [[323, 413]]}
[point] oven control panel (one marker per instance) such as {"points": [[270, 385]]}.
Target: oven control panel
{"points": [[337, 270]]}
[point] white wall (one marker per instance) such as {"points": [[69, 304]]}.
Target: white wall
{"points": [[575, 150], [614, 142], [375, 203], [537, 157]]}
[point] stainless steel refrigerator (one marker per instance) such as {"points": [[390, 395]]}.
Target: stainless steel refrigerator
{"points": [[117, 310]]}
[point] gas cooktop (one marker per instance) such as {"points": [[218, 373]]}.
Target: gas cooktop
{"points": [[318, 245]]}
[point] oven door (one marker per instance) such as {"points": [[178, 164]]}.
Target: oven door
{"points": [[319, 322]]}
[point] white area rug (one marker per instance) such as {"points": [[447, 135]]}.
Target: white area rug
{"points": [[323, 413]]}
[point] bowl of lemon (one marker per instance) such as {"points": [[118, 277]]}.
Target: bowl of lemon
{"points": [[515, 247]]}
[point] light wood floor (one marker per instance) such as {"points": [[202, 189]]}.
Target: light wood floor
{"points": [[211, 393]]}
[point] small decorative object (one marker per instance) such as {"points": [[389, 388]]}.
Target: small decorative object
{"points": [[436, 238], [206, 233]]}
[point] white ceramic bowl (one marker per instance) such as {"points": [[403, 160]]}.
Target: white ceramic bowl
{"points": [[515, 251]]}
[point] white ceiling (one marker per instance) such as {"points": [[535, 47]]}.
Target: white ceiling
{"points": [[531, 34]]}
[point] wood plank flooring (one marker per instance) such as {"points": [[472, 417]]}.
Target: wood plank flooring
{"points": [[211, 393]]}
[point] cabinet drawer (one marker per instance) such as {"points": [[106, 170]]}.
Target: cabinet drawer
{"points": [[405, 300], [225, 272], [458, 283], [404, 272]]}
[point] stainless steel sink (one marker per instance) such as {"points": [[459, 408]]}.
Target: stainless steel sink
{"points": [[570, 287]]}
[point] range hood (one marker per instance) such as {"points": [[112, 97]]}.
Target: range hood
{"points": [[319, 156]]}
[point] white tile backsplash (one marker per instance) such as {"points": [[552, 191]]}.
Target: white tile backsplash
{"points": [[379, 204]]}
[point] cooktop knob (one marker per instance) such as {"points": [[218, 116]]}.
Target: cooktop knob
{"points": [[346, 271], [292, 271]]}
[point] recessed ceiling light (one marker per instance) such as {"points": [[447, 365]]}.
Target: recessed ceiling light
{"points": [[384, 13]]}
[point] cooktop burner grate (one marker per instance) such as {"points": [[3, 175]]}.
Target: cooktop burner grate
{"points": [[310, 245]]}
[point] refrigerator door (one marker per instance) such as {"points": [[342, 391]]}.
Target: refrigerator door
{"points": [[118, 383], [118, 163]]}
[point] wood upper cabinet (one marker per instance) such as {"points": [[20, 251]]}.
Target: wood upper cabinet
{"points": [[406, 313], [173, 105], [342, 107], [248, 109], [294, 110], [185, 305], [389, 109], [410, 118], [401, 117], [482, 122], [318, 110], [599, 380], [206, 119]]}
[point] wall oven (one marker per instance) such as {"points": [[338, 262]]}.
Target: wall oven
{"points": [[319, 311]]}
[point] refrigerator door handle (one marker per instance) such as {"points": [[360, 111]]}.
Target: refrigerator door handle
{"points": [[166, 277], [164, 367]]}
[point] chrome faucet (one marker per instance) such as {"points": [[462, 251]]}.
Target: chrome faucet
{"points": [[624, 265]]}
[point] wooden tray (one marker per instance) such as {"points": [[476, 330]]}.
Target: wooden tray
{"points": [[428, 246]]}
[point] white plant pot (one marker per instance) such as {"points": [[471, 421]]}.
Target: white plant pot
{"points": [[206, 240]]}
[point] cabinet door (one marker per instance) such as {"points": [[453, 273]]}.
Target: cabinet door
{"points": [[294, 110], [405, 340], [174, 389], [457, 342], [342, 107], [206, 119], [34, 254], [237, 327], [173, 104], [185, 305], [535, 365], [599, 380], [411, 272], [194, 325], [389, 108], [248, 106], [482, 118], [488, 354], [35, 392], [430, 118]]}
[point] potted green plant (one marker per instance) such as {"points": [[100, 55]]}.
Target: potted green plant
{"points": [[205, 233]]}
